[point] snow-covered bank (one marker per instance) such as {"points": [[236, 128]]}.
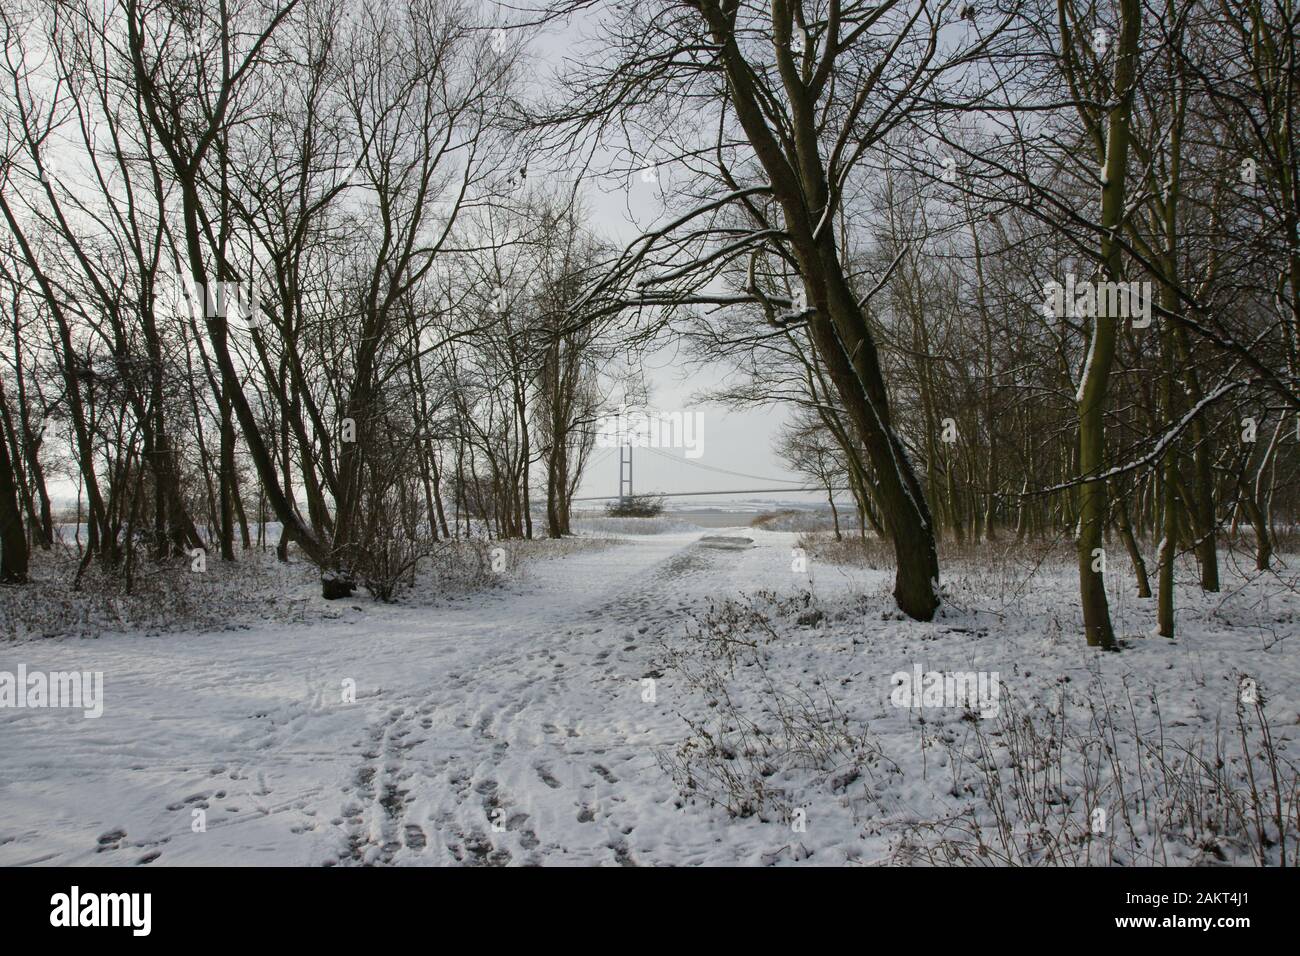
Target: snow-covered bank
{"points": [[192, 593]]}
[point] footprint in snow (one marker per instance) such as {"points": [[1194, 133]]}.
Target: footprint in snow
{"points": [[112, 840], [547, 778]]}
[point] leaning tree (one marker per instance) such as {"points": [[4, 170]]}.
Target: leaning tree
{"points": [[759, 120]]}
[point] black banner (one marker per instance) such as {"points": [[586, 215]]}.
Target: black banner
{"points": [[341, 905]]}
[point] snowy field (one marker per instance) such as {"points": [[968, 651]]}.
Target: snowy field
{"points": [[670, 699]]}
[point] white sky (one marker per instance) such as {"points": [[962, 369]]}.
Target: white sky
{"points": [[739, 441]]}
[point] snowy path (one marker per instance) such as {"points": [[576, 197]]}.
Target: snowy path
{"points": [[507, 727]]}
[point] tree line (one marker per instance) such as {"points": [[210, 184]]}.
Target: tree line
{"points": [[1021, 269], [276, 263], [1024, 268]]}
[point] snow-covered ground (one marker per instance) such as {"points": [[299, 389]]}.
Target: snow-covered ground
{"points": [[608, 704]]}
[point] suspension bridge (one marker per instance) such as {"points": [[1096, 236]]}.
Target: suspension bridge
{"points": [[625, 490]]}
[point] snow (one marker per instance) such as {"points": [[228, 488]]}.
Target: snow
{"points": [[529, 706]]}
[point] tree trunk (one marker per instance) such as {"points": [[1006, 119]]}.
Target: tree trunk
{"points": [[1101, 349], [1134, 552], [226, 482], [13, 540]]}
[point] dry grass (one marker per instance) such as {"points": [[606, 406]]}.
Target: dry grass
{"points": [[1102, 791], [793, 520], [1065, 775]]}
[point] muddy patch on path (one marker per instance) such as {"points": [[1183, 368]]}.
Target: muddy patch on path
{"points": [[726, 542]]}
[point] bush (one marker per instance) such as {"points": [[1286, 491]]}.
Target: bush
{"points": [[636, 506]]}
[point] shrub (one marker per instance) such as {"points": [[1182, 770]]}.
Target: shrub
{"points": [[636, 506]]}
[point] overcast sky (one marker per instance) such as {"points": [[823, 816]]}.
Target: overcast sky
{"points": [[734, 441]]}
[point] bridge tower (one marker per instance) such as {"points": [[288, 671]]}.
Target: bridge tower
{"points": [[624, 473]]}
